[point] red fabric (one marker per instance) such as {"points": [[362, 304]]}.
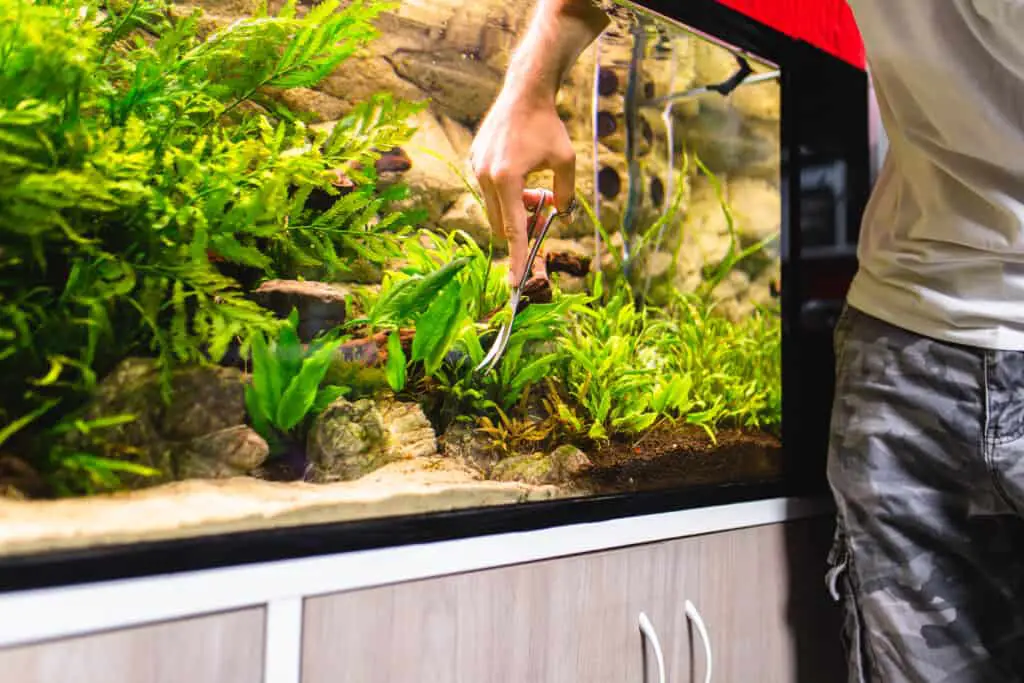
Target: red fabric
{"points": [[826, 24]]}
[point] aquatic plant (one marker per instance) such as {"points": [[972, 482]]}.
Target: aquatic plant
{"points": [[139, 159], [629, 368], [287, 382]]}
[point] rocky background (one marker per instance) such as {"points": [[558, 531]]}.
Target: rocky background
{"points": [[454, 54]]}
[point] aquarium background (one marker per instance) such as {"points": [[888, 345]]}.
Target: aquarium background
{"points": [[245, 273]]}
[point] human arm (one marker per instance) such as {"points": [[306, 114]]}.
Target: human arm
{"points": [[522, 132]]}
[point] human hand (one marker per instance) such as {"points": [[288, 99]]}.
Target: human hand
{"points": [[521, 134]]}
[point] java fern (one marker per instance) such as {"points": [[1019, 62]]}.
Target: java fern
{"points": [[132, 147]]}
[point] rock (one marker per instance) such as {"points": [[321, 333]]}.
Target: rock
{"points": [[204, 399], [410, 434], [469, 447], [459, 135], [433, 183], [468, 215], [757, 208], [530, 468], [459, 85], [569, 461], [225, 453], [570, 284], [318, 106], [19, 480], [538, 468], [321, 305], [351, 439], [347, 440]]}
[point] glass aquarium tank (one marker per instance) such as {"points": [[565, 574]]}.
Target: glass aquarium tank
{"points": [[246, 275]]}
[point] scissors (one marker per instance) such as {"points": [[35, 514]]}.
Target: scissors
{"points": [[505, 333]]}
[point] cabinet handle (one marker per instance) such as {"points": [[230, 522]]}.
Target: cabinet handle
{"points": [[647, 628], [693, 615]]}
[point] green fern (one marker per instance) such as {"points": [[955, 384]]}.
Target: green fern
{"points": [[132, 148]]}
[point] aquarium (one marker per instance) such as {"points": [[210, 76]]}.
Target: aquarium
{"points": [[247, 281]]}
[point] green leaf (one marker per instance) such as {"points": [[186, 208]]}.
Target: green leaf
{"points": [[301, 393], [395, 368], [266, 375], [289, 349], [436, 330], [326, 396], [17, 425], [258, 416], [427, 289]]}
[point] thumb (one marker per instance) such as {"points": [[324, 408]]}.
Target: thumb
{"points": [[564, 184]]}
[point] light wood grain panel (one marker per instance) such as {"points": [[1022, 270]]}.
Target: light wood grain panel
{"points": [[221, 648], [572, 620], [762, 595], [566, 620]]}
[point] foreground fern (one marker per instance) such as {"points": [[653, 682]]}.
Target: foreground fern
{"points": [[131, 149]]}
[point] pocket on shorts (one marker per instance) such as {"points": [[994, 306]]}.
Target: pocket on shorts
{"points": [[842, 590]]}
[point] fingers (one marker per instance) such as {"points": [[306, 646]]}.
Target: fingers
{"points": [[492, 206], [513, 215], [564, 166]]}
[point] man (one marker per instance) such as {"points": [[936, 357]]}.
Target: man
{"points": [[926, 460]]}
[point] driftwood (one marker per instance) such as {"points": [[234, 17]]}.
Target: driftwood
{"points": [[568, 263]]}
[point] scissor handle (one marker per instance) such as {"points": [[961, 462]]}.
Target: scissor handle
{"points": [[532, 225]]}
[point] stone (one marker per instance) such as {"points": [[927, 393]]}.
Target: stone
{"points": [[530, 468], [351, 439], [467, 215], [558, 467], [410, 434], [757, 208], [317, 105], [570, 461], [433, 183], [459, 135], [19, 480], [459, 85], [470, 447], [225, 453], [321, 305], [204, 399], [346, 441]]}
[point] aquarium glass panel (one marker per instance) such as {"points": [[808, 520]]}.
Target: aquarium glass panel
{"points": [[247, 281]]}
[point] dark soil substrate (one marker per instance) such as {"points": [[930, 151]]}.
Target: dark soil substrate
{"points": [[680, 456]]}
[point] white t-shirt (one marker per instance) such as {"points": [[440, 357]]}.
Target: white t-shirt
{"points": [[942, 242]]}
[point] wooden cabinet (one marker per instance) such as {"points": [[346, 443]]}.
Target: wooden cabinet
{"points": [[759, 591], [221, 648]]}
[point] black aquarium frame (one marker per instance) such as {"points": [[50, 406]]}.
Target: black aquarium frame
{"points": [[824, 117]]}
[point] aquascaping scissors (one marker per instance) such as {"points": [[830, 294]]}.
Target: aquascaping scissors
{"points": [[505, 333]]}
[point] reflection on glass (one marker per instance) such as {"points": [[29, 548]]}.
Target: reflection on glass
{"points": [[245, 274]]}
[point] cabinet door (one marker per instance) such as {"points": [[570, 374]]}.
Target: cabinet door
{"points": [[762, 597], [575, 620], [559, 621], [221, 648]]}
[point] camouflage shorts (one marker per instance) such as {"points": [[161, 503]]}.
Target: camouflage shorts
{"points": [[926, 464]]}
